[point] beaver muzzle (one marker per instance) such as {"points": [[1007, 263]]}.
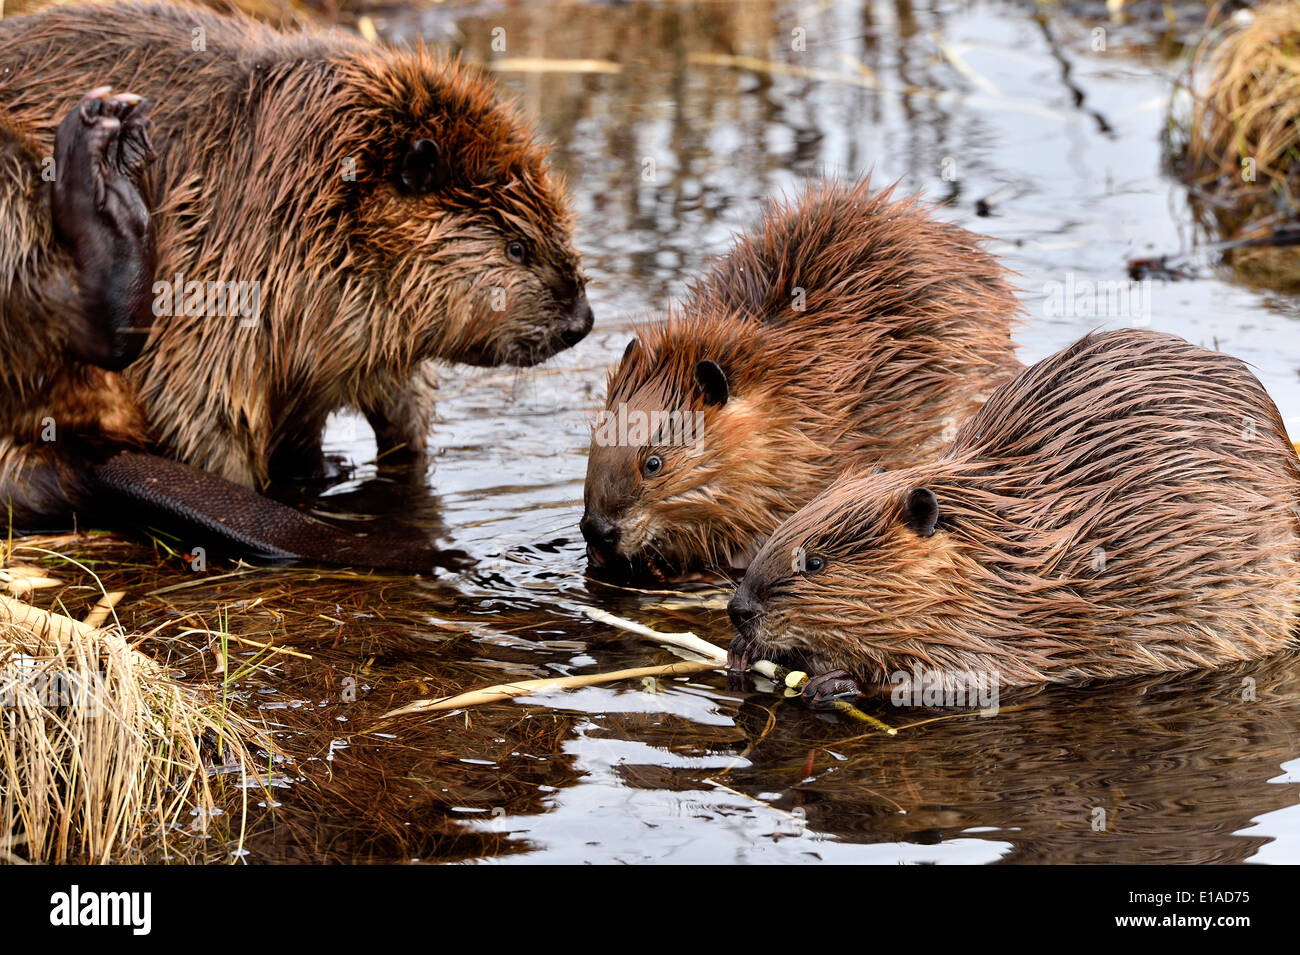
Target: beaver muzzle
{"points": [[602, 537], [606, 559], [579, 322], [744, 611], [746, 614]]}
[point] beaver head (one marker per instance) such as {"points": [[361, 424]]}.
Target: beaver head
{"points": [[854, 581], [694, 457], [463, 232]]}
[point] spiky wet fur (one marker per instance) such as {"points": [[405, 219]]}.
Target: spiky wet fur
{"points": [[360, 283], [1126, 506], [905, 330]]}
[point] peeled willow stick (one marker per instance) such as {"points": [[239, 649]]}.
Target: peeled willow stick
{"points": [[714, 658], [685, 640], [42, 622], [46, 623], [791, 679], [507, 691], [21, 580]]}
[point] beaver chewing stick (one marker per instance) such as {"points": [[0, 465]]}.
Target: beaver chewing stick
{"points": [[348, 211], [847, 328], [1129, 505]]}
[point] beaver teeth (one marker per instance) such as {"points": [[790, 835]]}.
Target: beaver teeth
{"points": [[738, 655]]}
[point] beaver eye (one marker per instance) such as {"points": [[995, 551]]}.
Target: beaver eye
{"points": [[516, 252], [813, 564], [653, 465]]}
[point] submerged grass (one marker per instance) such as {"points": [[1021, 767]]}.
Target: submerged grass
{"points": [[314, 657], [104, 756]]}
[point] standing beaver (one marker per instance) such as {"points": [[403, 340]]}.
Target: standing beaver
{"points": [[90, 303], [849, 327], [330, 215], [1126, 506]]}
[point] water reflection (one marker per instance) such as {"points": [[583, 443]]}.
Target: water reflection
{"points": [[1168, 770]]}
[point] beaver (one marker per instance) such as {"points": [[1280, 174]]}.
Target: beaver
{"points": [[849, 326], [331, 215], [92, 305], [1126, 506]]}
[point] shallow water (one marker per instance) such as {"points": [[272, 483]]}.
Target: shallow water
{"points": [[1194, 769]]}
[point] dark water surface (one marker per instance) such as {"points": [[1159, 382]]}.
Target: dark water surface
{"points": [[1203, 768]]}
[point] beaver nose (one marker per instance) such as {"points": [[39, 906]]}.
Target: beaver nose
{"points": [[579, 323], [744, 612], [601, 535]]}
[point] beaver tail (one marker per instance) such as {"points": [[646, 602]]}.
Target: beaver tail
{"points": [[140, 488]]}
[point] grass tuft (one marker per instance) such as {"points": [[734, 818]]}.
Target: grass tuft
{"points": [[104, 756]]}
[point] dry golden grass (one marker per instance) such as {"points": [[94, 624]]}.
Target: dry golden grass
{"points": [[1234, 138], [103, 756], [1245, 115]]}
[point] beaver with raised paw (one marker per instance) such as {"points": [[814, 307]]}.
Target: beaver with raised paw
{"points": [[79, 440], [331, 216]]}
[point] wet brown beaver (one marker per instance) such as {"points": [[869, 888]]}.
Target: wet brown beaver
{"points": [[94, 291], [848, 327], [330, 215], [1126, 506]]}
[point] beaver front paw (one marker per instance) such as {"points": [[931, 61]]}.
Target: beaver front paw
{"points": [[101, 151], [822, 692], [741, 652]]}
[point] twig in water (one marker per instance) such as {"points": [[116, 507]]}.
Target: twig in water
{"points": [[507, 691], [685, 640], [714, 658]]}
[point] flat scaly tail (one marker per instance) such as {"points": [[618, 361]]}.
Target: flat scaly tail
{"points": [[157, 491]]}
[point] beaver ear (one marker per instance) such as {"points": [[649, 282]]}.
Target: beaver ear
{"points": [[922, 511], [713, 382], [423, 170], [627, 352]]}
